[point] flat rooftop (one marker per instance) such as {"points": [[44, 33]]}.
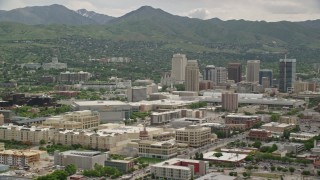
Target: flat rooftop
{"points": [[81, 153], [128, 129], [275, 124], [230, 157], [99, 103], [170, 163], [216, 176]]}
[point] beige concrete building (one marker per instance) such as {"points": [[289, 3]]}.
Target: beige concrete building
{"points": [[159, 118], [81, 159], [253, 68], [19, 157], [194, 135], [161, 150], [229, 101], [179, 63], [275, 127], [91, 139], [192, 76], [85, 119], [2, 148], [288, 119], [179, 169], [300, 86], [302, 136], [31, 135], [265, 82], [1, 119]]}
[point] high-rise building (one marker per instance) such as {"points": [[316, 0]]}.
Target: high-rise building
{"points": [[194, 135], [192, 76], [287, 74], [229, 101], [179, 63], [265, 73], [218, 75], [136, 94], [253, 68], [265, 82], [234, 72]]}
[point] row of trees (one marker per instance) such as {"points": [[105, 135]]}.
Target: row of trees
{"points": [[102, 171], [60, 174]]}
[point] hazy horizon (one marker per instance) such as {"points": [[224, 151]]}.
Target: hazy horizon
{"points": [[253, 10]]}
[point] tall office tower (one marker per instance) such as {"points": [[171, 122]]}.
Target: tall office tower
{"points": [[253, 68], [192, 76], [229, 101], [265, 82], [179, 62], [287, 74], [218, 75], [234, 72], [265, 73]]}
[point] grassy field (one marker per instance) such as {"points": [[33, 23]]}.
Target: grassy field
{"points": [[149, 160]]}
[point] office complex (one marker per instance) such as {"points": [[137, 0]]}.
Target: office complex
{"points": [[123, 166], [194, 135], [287, 74], [159, 118], [81, 159], [253, 68], [110, 111], [249, 121], [74, 120], [229, 101], [90, 139], [54, 64], [234, 72], [161, 150], [218, 75], [259, 134], [72, 77], [136, 94], [276, 127], [179, 63], [266, 73], [31, 135], [192, 76], [179, 169], [19, 157]]}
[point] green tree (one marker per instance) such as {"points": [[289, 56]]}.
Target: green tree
{"points": [[292, 169], [42, 142], [249, 158], [273, 168], [257, 144], [71, 169], [218, 154], [201, 156], [306, 173], [275, 117]]}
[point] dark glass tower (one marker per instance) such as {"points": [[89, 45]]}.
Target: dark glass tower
{"points": [[287, 74]]}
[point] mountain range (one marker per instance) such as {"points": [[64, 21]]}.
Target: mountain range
{"points": [[147, 23]]}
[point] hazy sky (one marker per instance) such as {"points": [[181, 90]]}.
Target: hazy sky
{"points": [[269, 10]]}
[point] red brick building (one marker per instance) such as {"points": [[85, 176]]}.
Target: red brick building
{"points": [[260, 134]]}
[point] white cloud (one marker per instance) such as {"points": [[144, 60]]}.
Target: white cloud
{"points": [[200, 13]]}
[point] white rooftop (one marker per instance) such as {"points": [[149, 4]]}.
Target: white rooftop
{"points": [[99, 103], [231, 157]]}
